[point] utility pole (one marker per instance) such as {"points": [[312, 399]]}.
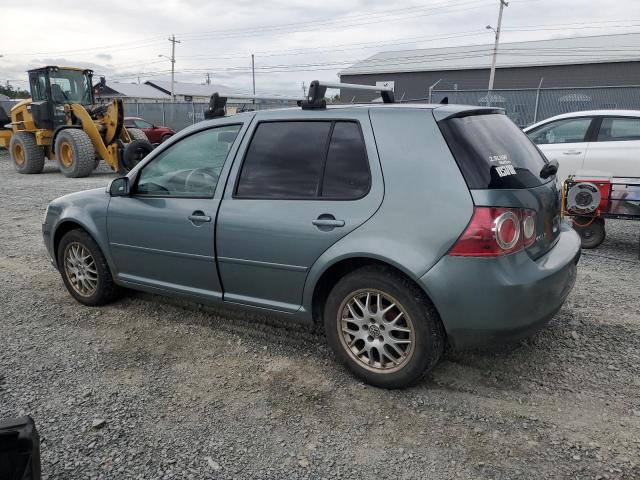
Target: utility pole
{"points": [[207, 79], [173, 41], [253, 75], [304, 89], [503, 4]]}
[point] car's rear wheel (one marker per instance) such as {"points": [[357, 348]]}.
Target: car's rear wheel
{"points": [[166, 137], [382, 327], [591, 230], [84, 269]]}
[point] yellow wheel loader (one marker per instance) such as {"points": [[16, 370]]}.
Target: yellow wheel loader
{"points": [[62, 122]]}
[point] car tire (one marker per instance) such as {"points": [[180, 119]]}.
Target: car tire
{"points": [[137, 134], [164, 138], [351, 327], [75, 153], [134, 152], [84, 270], [591, 230], [26, 154]]}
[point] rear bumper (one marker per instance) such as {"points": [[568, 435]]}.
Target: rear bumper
{"points": [[487, 301]]}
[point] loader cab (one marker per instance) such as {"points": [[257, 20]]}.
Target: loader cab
{"points": [[54, 87]]}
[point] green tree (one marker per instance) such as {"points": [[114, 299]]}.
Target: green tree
{"points": [[11, 92]]}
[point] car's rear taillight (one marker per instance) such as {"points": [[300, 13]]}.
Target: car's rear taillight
{"points": [[528, 227], [496, 231]]}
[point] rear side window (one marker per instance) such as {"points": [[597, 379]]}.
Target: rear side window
{"points": [[493, 153], [616, 129], [346, 174], [305, 160], [571, 130]]}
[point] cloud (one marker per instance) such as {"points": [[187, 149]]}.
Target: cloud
{"points": [[218, 37]]}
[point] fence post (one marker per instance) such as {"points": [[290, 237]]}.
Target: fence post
{"points": [[164, 121], [535, 110], [193, 114], [137, 109]]}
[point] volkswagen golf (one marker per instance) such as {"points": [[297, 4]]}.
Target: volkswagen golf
{"points": [[400, 228]]}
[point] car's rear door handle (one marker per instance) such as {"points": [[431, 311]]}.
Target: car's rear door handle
{"points": [[199, 217], [325, 222]]}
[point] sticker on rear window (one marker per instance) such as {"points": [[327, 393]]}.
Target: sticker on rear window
{"points": [[503, 165]]}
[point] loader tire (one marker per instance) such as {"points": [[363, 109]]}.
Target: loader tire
{"points": [[137, 134], [75, 153], [25, 153], [134, 152]]}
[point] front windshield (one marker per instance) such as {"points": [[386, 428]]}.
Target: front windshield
{"points": [[70, 86]]}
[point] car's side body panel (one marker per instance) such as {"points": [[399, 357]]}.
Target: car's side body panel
{"points": [[88, 209], [426, 207]]}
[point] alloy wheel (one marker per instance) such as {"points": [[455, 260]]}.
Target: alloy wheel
{"points": [[376, 331], [80, 269]]}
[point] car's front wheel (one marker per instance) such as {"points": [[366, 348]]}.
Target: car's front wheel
{"points": [[382, 327], [84, 269]]}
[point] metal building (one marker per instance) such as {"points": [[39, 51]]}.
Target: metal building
{"points": [[603, 60]]}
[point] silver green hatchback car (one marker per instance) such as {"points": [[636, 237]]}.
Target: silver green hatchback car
{"points": [[401, 228]]}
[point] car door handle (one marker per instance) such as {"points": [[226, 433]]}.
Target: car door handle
{"points": [[572, 152], [199, 217], [328, 223]]}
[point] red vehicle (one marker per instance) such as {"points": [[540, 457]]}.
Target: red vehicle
{"points": [[155, 133]]}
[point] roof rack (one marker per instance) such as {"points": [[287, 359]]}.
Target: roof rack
{"points": [[314, 100], [317, 90], [218, 102]]}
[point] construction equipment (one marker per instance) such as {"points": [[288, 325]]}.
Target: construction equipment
{"points": [[590, 198], [62, 122]]}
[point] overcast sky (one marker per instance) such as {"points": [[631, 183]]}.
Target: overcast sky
{"points": [[293, 40]]}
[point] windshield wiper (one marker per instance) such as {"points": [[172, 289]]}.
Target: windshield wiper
{"points": [[549, 169]]}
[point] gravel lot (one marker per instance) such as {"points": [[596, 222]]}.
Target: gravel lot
{"points": [[155, 388]]}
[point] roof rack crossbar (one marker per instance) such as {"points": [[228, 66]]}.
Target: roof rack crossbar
{"points": [[317, 90], [218, 102]]}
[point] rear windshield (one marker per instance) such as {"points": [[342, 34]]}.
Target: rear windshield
{"points": [[492, 152]]}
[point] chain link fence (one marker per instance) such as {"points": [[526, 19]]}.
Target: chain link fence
{"points": [[529, 106], [176, 115], [524, 106]]}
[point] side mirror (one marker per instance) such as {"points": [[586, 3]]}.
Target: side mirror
{"points": [[119, 187]]}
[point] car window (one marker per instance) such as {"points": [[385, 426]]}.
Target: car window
{"points": [[284, 160], [346, 174], [570, 130], [129, 124], [615, 129], [189, 168], [143, 124], [493, 153]]}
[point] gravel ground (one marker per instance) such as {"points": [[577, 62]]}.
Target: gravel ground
{"points": [[155, 388]]}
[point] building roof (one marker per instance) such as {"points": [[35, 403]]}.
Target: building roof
{"points": [[136, 90], [559, 51], [189, 89]]}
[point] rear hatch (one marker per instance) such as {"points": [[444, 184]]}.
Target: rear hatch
{"points": [[502, 169]]}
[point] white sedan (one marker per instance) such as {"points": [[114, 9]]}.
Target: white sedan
{"points": [[606, 141]]}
